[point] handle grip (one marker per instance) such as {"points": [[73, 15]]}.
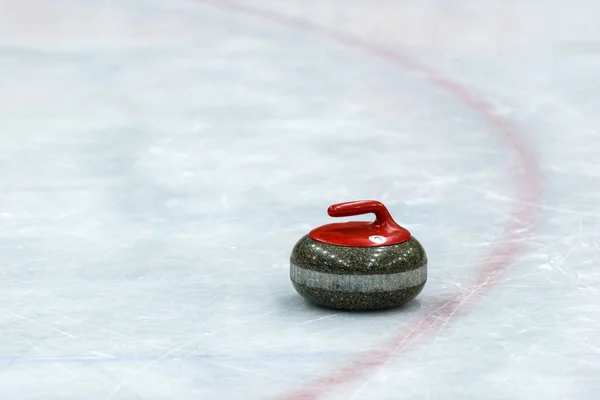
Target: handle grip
{"points": [[352, 208]]}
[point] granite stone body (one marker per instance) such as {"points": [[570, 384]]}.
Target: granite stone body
{"points": [[358, 278]]}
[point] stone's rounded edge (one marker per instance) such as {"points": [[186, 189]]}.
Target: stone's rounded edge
{"points": [[314, 255], [349, 283], [358, 301], [331, 274]]}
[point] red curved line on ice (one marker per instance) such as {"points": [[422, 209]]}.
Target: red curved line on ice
{"points": [[527, 177]]}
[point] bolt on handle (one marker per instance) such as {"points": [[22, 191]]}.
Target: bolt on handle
{"points": [[352, 208]]}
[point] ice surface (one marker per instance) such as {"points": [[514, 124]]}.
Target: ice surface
{"points": [[159, 159]]}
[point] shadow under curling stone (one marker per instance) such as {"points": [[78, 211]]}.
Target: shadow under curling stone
{"points": [[292, 301]]}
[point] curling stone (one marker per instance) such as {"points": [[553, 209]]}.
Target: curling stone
{"points": [[359, 265]]}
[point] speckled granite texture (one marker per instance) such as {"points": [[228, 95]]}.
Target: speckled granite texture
{"points": [[323, 257], [362, 264], [358, 301], [359, 283]]}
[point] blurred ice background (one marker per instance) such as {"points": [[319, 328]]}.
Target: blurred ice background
{"points": [[158, 160]]}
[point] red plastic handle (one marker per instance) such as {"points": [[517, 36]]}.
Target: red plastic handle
{"points": [[383, 231], [349, 209]]}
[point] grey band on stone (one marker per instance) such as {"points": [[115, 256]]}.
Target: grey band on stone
{"points": [[358, 283]]}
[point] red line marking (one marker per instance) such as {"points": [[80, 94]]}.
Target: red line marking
{"points": [[527, 178]]}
